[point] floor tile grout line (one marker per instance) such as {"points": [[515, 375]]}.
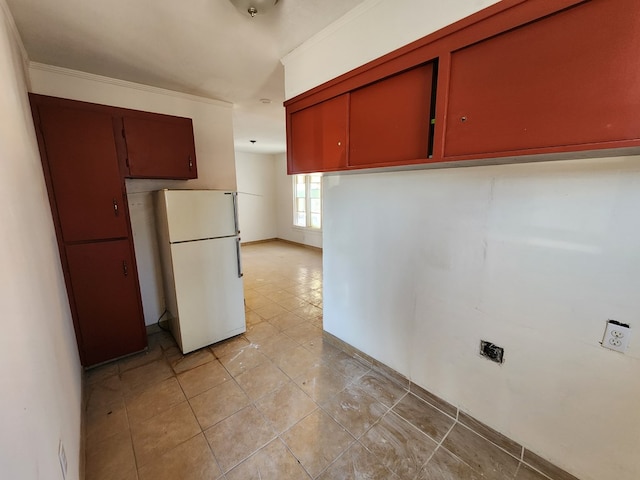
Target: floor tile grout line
{"points": [[351, 444], [253, 403], [521, 461], [294, 456], [440, 445], [492, 442], [275, 437], [278, 435], [519, 458], [187, 400], [455, 421], [517, 470], [135, 455], [306, 320], [318, 407]]}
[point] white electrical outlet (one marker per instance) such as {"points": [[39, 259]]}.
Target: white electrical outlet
{"points": [[63, 459], [616, 336]]}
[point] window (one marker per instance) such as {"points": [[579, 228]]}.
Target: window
{"points": [[307, 201]]}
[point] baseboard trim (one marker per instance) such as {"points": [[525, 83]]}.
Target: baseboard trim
{"points": [[268, 240], [513, 448], [256, 242], [310, 247]]}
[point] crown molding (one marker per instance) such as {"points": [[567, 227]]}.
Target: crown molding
{"points": [[125, 83]]}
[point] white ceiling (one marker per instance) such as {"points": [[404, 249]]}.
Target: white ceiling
{"points": [[201, 47]]}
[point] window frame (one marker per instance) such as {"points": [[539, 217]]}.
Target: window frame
{"points": [[308, 181]]}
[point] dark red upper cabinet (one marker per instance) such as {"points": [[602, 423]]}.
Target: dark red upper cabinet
{"points": [[83, 167], [317, 137], [569, 79], [516, 79], [389, 120], [159, 146]]}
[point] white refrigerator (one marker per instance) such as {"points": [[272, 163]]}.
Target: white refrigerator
{"points": [[200, 254]]}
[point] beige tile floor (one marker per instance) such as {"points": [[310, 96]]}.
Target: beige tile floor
{"points": [[278, 402]]}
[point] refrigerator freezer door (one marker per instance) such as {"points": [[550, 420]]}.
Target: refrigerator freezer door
{"points": [[209, 292], [199, 214]]}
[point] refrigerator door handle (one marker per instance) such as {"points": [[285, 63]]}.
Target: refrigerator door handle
{"points": [[235, 212], [240, 274]]}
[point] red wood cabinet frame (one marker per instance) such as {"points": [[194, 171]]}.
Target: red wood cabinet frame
{"points": [[106, 300], [84, 149], [85, 179], [524, 79], [389, 120], [318, 136], [566, 80], [159, 146]]}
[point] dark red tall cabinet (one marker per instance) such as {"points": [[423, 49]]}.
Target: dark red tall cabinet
{"points": [[87, 150]]}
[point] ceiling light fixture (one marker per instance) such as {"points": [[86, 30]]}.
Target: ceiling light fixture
{"points": [[254, 7]]}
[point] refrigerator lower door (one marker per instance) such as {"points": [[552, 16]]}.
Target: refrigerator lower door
{"points": [[208, 291]]}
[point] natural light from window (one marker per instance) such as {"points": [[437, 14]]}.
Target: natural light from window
{"points": [[307, 201]]}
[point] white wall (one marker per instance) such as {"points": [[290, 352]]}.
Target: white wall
{"points": [[41, 374], [421, 265], [213, 132], [256, 174], [265, 195], [286, 230], [372, 29]]}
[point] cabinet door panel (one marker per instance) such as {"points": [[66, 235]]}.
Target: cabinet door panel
{"points": [[83, 163], [318, 137], [563, 80], [105, 292], [390, 119], [160, 147]]}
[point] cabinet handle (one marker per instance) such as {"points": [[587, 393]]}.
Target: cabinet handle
{"points": [[116, 210], [190, 163], [125, 268]]}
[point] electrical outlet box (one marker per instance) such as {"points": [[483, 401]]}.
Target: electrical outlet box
{"points": [[491, 351], [616, 336]]}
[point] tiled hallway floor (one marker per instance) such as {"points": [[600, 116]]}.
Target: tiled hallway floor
{"points": [[278, 402]]}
